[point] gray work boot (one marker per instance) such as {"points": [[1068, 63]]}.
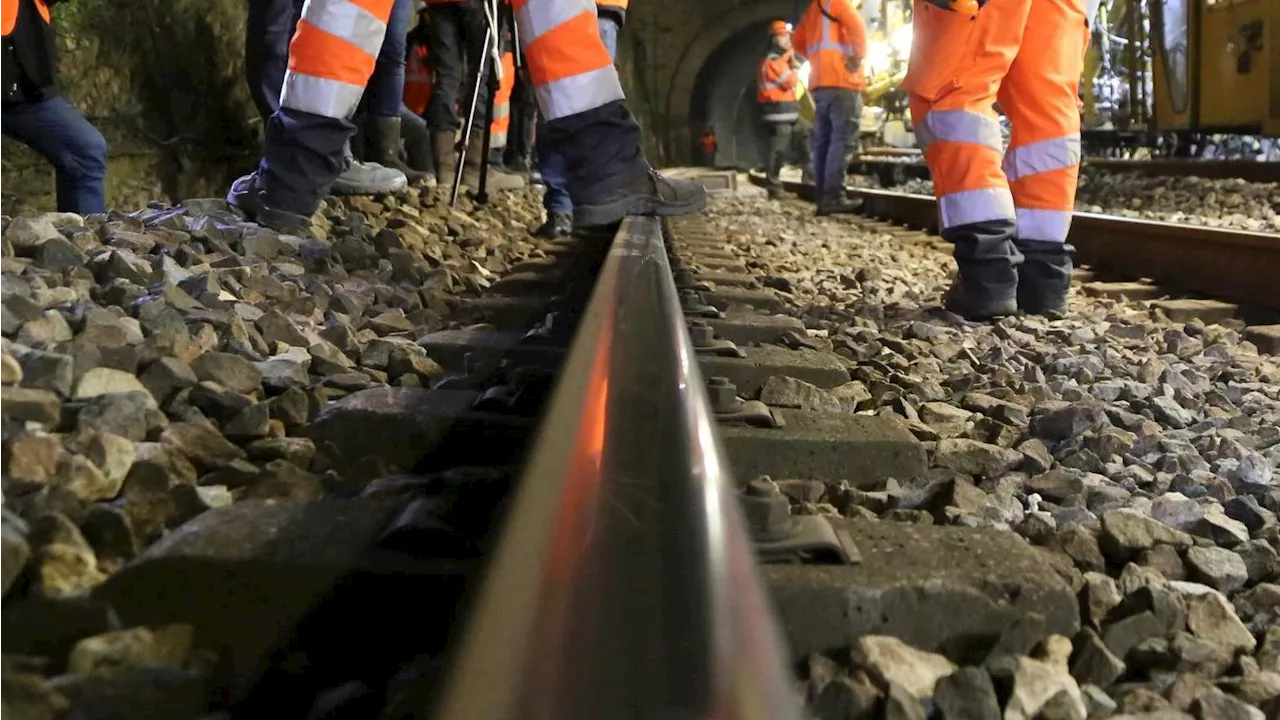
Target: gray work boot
{"points": [[1044, 277], [246, 195], [496, 179], [366, 178], [987, 284], [384, 146], [650, 193]]}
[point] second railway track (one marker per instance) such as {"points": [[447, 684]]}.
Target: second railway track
{"points": [[1236, 266]]}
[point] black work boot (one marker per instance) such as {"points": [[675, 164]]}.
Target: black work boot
{"points": [[987, 284], [558, 225], [837, 202], [246, 195], [1044, 277], [384, 146], [650, 193]]}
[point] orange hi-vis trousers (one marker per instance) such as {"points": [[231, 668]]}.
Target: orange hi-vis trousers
{"points": [[569, 65], [501, 123], [332, 55], [1027, 55]]}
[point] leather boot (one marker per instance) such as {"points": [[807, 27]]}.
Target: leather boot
{"points": [[417, 150], [1044, 277], [987, 284], [246, 194], [446, 160], [648, 192], [496, 179], [837, 202], [384, 145]]}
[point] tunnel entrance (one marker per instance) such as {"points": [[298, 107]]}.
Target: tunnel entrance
{"points": [[724, 96]]}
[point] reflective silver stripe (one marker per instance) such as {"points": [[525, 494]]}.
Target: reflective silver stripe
{"points": [[501, 110], [781, 117], [540, 16], [579, 93], [347, 21], [319, 96], [498, 139], [959, 126], [1042, 156], [828, 42], [1047, 225], [776, 83], [974, 206]]}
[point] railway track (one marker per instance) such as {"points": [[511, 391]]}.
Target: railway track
{"points": [[892, 172], [621, 534], [1232, 265]]}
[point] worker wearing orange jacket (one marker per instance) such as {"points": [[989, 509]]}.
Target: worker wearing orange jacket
{"points": [[777, 93], [331, 58], [833, 38], [1007, 213], [563, 210]]}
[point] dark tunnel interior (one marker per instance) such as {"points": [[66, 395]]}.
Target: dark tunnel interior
{"points": [[724, 96]]}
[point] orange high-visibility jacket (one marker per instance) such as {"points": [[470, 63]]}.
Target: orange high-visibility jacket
{"points": [[502, 103], [619, 4], [832, 45], [419, 78], [708, 141], [569, 66], [331, 57], [9, 14], [777, 81]]}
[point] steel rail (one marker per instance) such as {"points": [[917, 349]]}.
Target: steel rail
{"points": [[1235, 265], [624, 584], [897, 171]]}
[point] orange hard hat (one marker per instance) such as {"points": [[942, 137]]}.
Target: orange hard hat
{"points": [[778, 27]]}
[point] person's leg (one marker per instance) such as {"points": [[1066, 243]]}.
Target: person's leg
{"points": [[551, 164], [330, 59], [588, 123], [383, 97], [268, 29], [72, 144], [840, 112], [417, 142], [476, 28], [779, 140], [448, 61], [819, 140], [952, 93], [1043, 159]]}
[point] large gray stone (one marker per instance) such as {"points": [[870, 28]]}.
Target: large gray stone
{"points": [[943, 589]]}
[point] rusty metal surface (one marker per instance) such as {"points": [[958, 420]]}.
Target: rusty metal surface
{"points": [[1233, 265], [896, 172], [1214, 169]]}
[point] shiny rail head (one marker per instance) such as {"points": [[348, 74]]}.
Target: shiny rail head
{"points": [[624, 583]]}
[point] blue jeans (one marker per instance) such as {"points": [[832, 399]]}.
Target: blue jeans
{"points": [[551, 164], [56, 130], [385, 90], [834, 109], [269, 29]]}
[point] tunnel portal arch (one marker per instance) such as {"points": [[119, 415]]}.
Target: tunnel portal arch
{"points": [[742, 26]]}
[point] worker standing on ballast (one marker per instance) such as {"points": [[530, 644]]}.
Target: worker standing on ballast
{"points": [[610, 16], [1007, 214], [332, 56], [777, 92], [833, 38]]}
